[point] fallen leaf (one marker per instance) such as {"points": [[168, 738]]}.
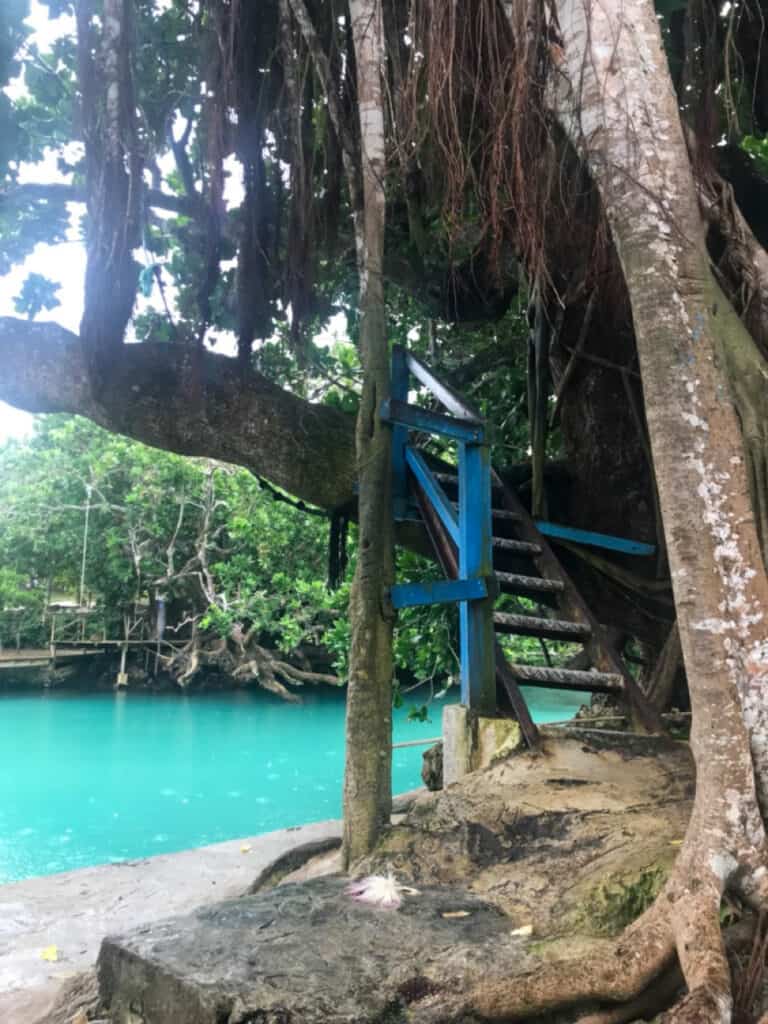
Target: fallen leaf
{"points": [[245, 848], [526, 929], [50, 953], [81, 1017], [455, 913], [675, 842]]}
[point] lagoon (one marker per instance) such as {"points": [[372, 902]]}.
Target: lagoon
{"points": [[94, 778]]}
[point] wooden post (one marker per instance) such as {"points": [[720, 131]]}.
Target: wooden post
{"points": [[52, 641], [478, 673], [122, 675]]}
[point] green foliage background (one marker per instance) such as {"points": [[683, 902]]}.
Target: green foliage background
{"points": [[269, 558]]}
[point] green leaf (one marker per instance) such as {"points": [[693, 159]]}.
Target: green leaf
{"points": [[37, 293]]}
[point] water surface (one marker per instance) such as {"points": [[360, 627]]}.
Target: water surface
{"points": [[87, 779]]}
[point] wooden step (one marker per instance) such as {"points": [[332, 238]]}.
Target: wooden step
{"points": [[452, 479], [504, 513], [528, 584], [547, 629], [497, 513], [568, 678], [516, 547]]}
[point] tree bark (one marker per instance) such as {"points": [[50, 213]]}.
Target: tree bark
{"points": [[617, 104], [368, 769], [632, 138], [164, 396]]}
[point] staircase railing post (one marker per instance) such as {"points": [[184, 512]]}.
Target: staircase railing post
{"points": [[399, 434], [478, 672]]}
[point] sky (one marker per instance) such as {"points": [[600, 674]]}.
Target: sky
{"points": [[64, 263]]}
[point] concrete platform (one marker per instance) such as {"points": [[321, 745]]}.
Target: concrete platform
{"points": [[76, 909]]}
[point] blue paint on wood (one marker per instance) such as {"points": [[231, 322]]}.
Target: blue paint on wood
{"points": [[449, 398], [410, 595], [478, 673], [399, 435], [415, 418], [599, 540], [434, 492]]}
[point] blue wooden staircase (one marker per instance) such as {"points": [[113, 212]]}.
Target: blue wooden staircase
{"points": [[489, 546]]}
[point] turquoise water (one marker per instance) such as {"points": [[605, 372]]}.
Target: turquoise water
{"points": [[86, 779]]}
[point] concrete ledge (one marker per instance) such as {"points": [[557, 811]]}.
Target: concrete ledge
{"points": [[473, 742], [76, 909]]}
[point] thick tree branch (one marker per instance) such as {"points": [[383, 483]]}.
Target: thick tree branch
{"points": [[191, 402]]}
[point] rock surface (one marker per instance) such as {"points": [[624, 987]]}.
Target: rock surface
{"points": [[508, 862], [302, 953], [432, 768], [553, 839]]}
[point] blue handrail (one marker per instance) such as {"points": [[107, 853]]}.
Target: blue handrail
{"points": [[470, 530]]}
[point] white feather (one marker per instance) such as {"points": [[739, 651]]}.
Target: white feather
{"points": [[378, 890]]}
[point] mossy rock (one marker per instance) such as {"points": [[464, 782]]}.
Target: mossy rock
{"points": [[619, 899]]}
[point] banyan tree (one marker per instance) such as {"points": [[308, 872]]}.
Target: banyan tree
{"points": [[604, 163]]}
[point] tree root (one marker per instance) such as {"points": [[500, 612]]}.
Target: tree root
{"points": [[620, 976], [656, 998], [638, 977], [244, 660], [700, 1007]]}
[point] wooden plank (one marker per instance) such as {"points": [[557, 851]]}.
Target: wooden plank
{"points": [[597, 540], [412, 595], [568, 678], [546, 629], [516, 547], [413, 417], [10, 660], [454, 402], [504, 675], [529, 584]]}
